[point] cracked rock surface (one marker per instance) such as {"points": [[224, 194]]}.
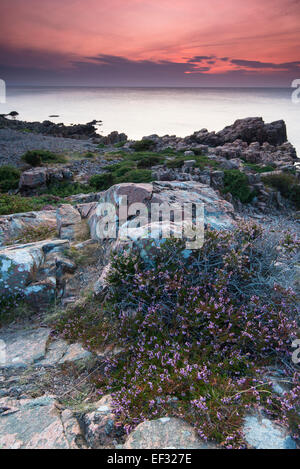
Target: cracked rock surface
{"points": [[30, 347], [37, 424]]}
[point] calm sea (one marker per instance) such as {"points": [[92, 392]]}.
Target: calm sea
{"points": [[144, 111]]}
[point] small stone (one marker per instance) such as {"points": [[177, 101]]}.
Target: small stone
{"points": [[75, 352]]}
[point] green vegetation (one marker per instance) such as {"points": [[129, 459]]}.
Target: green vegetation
{"points": [[287, 185], [148, 162], [118, 174], [136, 167], [168, 152], [101, 182], [14, 309], [83, 256], [9, 178], [143, 145], [197, 334], [237, 184], [66, 189], [16, 204], [136, 175], [89, 155], [201, 162], [39, 157], [119, 169], [132, 168]]}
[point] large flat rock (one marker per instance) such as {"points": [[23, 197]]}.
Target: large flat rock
{"points": [[24, 348]]}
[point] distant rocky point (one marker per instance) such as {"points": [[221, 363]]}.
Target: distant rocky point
{"points": [[249, 130]]}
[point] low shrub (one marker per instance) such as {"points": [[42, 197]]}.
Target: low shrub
{"points": [[66, 189], [83, 257], [168, 152], [149, 161], [143, 145], [101, 182], [237, 184], [201, 162], [175, 163], [13, 309], [9, 178], [121, 169], [287, 185], [197, 334], [295, 196], [136, 176], [120, 144], [38, 157]]}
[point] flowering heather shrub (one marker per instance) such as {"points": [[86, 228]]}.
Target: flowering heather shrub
{"points": [[196, 340]]}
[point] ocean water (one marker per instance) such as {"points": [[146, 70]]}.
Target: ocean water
{"points": [[144, 111]]}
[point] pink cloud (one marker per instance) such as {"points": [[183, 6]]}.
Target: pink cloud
{"points": [[61, 32]]}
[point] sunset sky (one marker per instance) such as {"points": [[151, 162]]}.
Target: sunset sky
{"points": [[150, 42]]}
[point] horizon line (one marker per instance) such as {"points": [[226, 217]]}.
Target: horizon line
{"points": [[145, 86]]}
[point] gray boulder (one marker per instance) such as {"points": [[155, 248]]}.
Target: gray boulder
{"points": [[39, 178]]}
